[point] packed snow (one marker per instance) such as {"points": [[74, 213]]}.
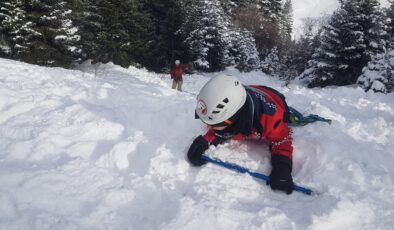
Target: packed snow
{"points": [[104, 147]]}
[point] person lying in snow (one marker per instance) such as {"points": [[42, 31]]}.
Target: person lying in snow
{"points": [[234, 111]]}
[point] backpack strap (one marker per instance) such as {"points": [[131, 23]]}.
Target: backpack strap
{"points": [[292, 117], [297, 119]]}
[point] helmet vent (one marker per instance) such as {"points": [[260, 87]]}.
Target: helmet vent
{"points": [[220, 106], [225, 100], [215, 112]]}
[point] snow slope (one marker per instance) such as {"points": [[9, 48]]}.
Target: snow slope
{"points": [[104, 148]]}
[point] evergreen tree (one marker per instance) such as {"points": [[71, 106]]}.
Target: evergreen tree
{"points": [[272, 18], [121, 32], [137, 26], [390, 25], [213, 40], [271, 64], [371, 18], [86, 16], [301, 51], [14, 29], [271, 9], [287, 22], [165, 46], [243, 50], [342, 49], [231, 6], [353, 36], [378, 75], [66, 35], [206, 33], [263, 19], [113, 30], [390, 45], [289, 58], [43, 34], [6, 8]]}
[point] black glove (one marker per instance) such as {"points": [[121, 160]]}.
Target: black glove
{"points": [[280, 178], [197, 148]]}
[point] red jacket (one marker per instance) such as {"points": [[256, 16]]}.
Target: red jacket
{"points": [[270, 111], [177, 72]]}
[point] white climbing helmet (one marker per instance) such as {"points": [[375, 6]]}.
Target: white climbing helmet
{"points": [[219, 99], [177, 62]]}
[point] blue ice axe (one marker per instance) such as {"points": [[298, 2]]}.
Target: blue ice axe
{"points": [[241, 169]]}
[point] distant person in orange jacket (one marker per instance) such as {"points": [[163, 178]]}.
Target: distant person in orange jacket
{"points": [[177, 75]]}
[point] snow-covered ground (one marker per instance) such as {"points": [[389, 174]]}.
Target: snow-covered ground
{"points": [[104, 148]]}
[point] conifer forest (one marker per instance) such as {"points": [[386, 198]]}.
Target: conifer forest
{"points": [[355, 45]]}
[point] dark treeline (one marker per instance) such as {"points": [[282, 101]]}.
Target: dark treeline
{"points": [[153, 33], [354, 45]]}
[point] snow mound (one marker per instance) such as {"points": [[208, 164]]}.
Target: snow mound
{"points": [[103, 147]]}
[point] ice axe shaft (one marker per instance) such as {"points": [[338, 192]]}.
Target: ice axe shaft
{"points": [[240, 169]]}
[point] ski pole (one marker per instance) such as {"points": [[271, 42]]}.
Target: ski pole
{"points": [[241, 169]]}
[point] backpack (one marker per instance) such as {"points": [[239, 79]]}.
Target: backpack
{"points": [[292, 117]]}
